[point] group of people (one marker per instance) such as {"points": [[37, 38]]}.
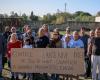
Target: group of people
{"points": [[44, 38]]}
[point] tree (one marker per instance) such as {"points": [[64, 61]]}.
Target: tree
{"points": [[47, 18], [5, 15], [33, 17], [82, 16], [25, 17], [15, 15], [1, 16], [81, 13], [60, 20], [12, 14]]}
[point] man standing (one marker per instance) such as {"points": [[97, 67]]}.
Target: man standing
{"points": [[95, 57], [1, 52], [84, 37], [5, 37], [76, 42]]}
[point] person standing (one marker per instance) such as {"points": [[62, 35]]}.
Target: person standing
{"points": [[76, 42], [42, 40], [94, 46], [27, 44], [14, 30], [13, 43], [5, 37], [68, 32], [55, 42], [84, 37], [91, 36], [1, 53], [57, 31], [66, 43]]}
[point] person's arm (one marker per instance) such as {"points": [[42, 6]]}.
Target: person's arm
{"points": [[8, 51], [89, 49], [48, 42], [8, 38]]}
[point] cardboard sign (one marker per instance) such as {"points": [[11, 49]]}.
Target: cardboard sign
{"points": [[48, 60]]}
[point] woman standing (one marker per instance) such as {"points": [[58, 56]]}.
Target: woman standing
{"points": [[13, 43], [55, 42], [42, 40]]}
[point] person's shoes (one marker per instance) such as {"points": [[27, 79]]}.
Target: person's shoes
{"points": [[1, 77], [24, 76]]}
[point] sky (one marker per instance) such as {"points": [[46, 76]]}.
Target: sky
{"points": [[41, 7]]}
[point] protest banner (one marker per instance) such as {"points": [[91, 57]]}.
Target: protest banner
{"points": [[48, 60]]}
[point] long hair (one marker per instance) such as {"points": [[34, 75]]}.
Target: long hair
{"points": [[13, 35], [40, 32]]}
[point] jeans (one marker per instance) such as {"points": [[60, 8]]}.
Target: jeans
{"points": [[55, 76], [95, 63], [0, 63], [88, 66]]}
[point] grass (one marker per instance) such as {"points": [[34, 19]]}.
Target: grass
{"points": [[62, 32], [6, 74]]}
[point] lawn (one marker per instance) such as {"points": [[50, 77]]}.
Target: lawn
{"points": [[6, 74]]}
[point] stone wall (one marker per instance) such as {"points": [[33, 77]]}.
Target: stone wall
{"points": [[72, 24], [76, 25]]}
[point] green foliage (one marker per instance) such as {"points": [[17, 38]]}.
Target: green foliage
{"points": [[62, 17], [57, 18]]}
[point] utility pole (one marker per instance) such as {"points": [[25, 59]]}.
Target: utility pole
{"points": [[65, 7], [65, 12]]}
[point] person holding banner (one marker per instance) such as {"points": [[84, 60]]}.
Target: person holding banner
{"points": [[42, 42], [57, 31], [27, 44], [55, 42], [94, 46], [13, 43]]}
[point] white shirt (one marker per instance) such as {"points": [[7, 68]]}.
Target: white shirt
{"points": [[27, 46]]}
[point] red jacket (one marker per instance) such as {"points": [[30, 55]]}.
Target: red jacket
{"points": [[10, 45]]}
